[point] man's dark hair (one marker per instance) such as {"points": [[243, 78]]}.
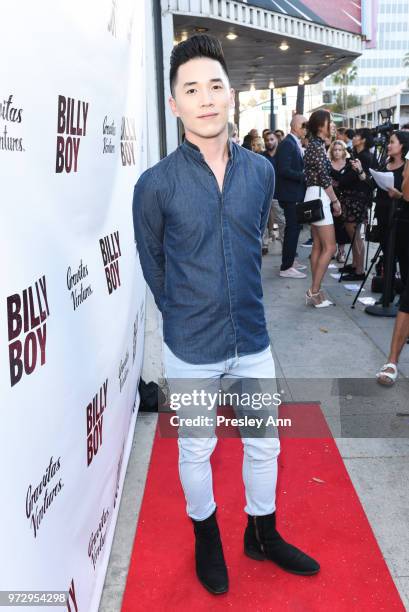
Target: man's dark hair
{"points": [[405, 126], [280, 131], [317, 120], [198, 45], [366, 134], [350, 133], [341, 130]]}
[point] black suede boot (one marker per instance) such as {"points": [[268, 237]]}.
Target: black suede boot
{"points": [[262, 541], [210, 564]]}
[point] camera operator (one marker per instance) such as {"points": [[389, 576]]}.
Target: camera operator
{"points": [[397, 149], [357, 199], [389, 371]]}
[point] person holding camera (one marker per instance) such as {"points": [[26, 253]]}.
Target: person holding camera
{"points": [[317, 168], [389, 371], [357, 199], [398, 148]]}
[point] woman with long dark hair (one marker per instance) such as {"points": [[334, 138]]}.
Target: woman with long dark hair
{"points": [[389, 371], [398, 148], [317, 168]]}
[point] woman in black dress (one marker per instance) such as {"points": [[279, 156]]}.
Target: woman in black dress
{"points": [[357, 200], [340, 166], [397, 150], [389, 371]]}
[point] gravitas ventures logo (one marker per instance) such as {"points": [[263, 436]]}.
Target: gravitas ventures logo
{"points": [[27, 312], [111, 252], [40, 497], [71, 127]]}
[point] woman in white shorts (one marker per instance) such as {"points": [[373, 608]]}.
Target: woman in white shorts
{"points": [[317, 168]]}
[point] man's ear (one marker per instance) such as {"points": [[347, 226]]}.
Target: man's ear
{"points": [[173, 107], [232, 98]]}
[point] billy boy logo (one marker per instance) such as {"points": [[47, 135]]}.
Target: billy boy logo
{"points": [[95, 418], [27, 329], [71, 126], [128, 139], [72, 605], [111, 252]]}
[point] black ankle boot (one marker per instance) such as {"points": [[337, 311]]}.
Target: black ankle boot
{"points": [[210, 564], [262, 541]]}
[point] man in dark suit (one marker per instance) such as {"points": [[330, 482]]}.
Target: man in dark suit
{"points": [[290, 190]]}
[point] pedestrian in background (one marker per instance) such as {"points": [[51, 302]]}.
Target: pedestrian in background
{"points": [[276, 212], [248, 138], [319, 185], [290, 190]]}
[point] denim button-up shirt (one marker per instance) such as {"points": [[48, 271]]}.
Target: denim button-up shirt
{"points": [[200, 251]]}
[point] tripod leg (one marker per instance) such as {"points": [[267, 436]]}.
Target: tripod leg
{"points": [[349, 251], [369, 224], [373, 261]]}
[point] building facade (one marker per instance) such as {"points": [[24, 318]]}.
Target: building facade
{"points": [[381, 68]]}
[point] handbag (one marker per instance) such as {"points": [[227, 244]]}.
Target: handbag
{"points": [[373, 233], [308, 212]]}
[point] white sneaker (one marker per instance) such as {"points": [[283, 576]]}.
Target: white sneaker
{"points": [[298, 266], [292, 273]]}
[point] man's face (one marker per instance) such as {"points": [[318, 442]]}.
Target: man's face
{"points": [[300, 126], [202, 97], [271, 142]]}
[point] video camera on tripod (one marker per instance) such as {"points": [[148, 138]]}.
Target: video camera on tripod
{"points": [[382, 133]]}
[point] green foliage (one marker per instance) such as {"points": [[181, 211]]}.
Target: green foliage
{"points": [[351, 101], [344, 77]]}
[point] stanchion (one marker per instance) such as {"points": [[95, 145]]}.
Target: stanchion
{"points": [[387, 309]]}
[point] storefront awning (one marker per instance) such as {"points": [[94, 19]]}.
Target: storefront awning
{"points": [[254, 57]]}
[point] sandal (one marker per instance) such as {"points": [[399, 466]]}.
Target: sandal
{"points": [[387, 378], [318, 300]]}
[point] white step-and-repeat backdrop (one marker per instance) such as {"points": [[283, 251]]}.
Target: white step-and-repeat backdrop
{"points": [[72, 294]]}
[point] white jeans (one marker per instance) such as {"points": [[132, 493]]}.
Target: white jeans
{"points": [[260, 453]]}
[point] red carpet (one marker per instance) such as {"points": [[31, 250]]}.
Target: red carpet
{"points": [[318, 510]]}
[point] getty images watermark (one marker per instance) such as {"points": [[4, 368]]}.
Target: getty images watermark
{"points": [[252, 410]]}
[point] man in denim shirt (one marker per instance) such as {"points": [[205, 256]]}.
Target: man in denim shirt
{"points": [[199, 217]]}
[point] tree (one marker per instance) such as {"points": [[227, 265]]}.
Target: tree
{"points": [[344, 77], [405, 62], [351, 101]]}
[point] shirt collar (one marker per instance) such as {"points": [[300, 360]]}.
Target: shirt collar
{"points": [[194, 151]]}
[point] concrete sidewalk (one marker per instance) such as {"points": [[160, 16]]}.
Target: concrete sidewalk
{"points": [[312, 349]]}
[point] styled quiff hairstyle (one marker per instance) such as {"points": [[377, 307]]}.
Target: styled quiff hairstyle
{"points": [[199, 45]]}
